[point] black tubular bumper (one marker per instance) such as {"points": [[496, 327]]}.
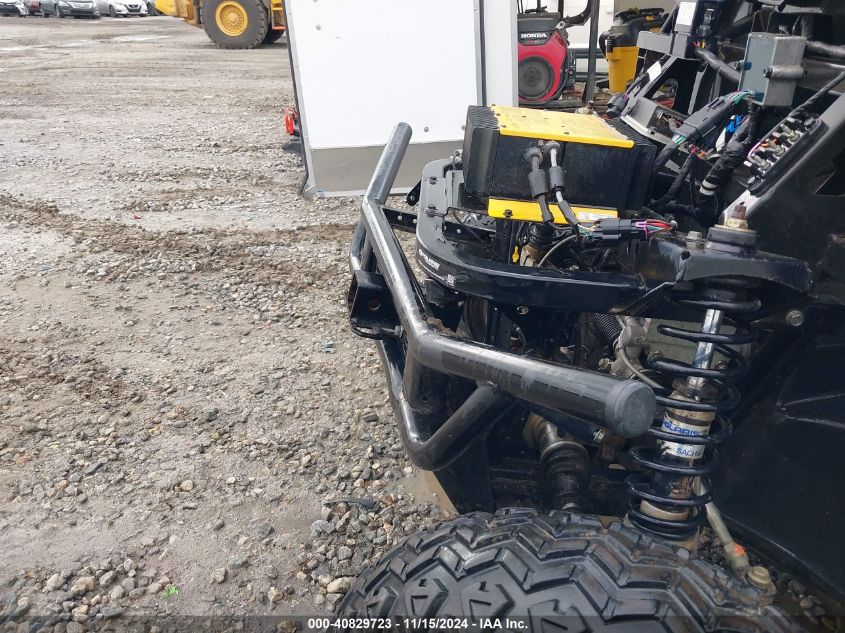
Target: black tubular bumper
{"points": [[416, 370]]}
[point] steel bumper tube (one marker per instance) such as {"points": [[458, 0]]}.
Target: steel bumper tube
{"points": [[625, 408]]}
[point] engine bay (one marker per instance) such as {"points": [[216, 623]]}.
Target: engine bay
{"points": [[615, 309]]}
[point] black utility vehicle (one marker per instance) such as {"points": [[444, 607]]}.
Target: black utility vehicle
{"points": [[638, 317]]}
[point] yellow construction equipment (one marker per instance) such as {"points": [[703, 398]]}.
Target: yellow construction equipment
{"points": [[619, 44], [231, 23]]}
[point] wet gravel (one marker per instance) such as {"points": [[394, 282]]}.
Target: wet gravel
{"points": [[187, 427]]}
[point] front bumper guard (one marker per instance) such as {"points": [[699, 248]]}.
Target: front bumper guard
{"points": [[431, 353]]}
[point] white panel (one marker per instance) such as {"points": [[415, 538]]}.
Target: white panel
{"points": [[364, 65], [579, 36], [500, 52]]}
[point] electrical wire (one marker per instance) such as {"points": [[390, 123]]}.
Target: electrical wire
{"points": [[565, 240], [545, 212], [562, 204], [677, 183], [822, 92], [567, 211], [620, 352]]}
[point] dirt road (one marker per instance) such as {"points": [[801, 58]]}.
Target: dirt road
{"points": [[181, 404]]}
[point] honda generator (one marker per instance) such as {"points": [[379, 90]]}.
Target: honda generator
{"points": [[546, 68]]}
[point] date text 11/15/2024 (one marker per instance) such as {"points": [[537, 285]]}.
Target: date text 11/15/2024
{"points": [[418, 624]]}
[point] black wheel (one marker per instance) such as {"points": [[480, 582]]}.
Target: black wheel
{"points": [[567, 568], [235, 24], [273, 36]]}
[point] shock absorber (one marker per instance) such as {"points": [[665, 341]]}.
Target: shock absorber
{"points": [[663, 500]]}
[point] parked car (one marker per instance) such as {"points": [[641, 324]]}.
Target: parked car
{"points": [[34, 7], [123, 8], [13, 8], [70, 8]]}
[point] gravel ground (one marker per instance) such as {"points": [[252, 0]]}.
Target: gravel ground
{"points": [[186, 425]]}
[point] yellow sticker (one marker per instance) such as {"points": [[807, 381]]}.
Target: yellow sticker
{"points": [[528, 211], [558, 126]]}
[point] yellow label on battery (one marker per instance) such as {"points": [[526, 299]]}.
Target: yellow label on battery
{"points": [[558, 126], [528, 211]]}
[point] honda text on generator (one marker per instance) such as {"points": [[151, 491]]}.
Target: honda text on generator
{"points": [[639, 318]]}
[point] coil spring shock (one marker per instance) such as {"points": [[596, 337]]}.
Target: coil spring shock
{"points": [[662, 501]]}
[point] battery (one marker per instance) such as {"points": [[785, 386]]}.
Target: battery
{"points": [[606, 164]]}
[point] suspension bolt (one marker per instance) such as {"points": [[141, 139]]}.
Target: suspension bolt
{"points": [[795, 318], [759, 577]]}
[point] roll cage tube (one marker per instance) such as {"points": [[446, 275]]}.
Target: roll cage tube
{"points": [[624, 407]]}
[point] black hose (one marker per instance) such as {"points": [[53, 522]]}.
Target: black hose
{"points": [[723, 68], [577, 20], [546, 213], [732, 156], [677, 183], [664, 156], [720, 174], [567, 211], [830, 85], [828, 50]]}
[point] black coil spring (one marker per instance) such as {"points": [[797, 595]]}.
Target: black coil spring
{"points": [[727, 298]]}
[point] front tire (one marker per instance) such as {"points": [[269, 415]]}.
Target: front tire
{"points": [[273, 35], [563, 566], [235, 24]]}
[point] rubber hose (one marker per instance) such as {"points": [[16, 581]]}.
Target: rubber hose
{"points": [[676, 185], [663, 157], [720, 173], [828, 50], [576, 20], [731, 158], [723, 68]]}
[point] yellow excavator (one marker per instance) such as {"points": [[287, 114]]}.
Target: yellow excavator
{"points": [[231, 23]]}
